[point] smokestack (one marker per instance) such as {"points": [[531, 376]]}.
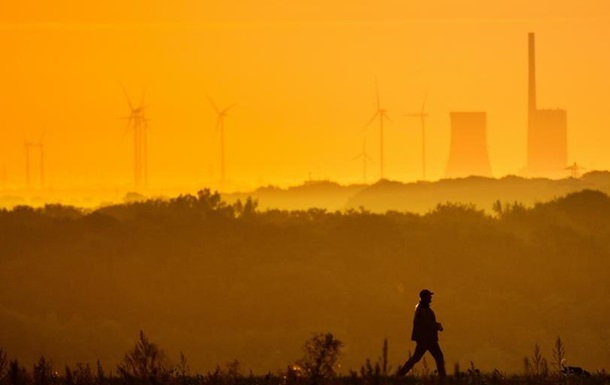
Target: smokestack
{"points": [[547, 138], [468, 151], [532, 74]]}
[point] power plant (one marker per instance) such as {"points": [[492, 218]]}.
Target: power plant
{"points": [[547, 130], [547, 147], [468, 149], [547, 137]]}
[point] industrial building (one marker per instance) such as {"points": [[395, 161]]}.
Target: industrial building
{"points": [[547, 131]]}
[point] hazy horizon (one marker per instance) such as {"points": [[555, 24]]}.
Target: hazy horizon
{"points": [[302, 79]]}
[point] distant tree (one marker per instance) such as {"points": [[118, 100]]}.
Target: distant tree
{"points": [[513, 210], [183, 370], [68, 377], [17, 375], [82, 374], [527, 367], [210, 201], [497, 208], [43, 373], [231, 374], [233, 369], [457, 212], [100, 376], [370, 372], [3, 366], [133, 197], [376, 373], [322, 352], [61, 212], [249, 208], [144, 364], [385, 368], [539, 366], [559, 354]]}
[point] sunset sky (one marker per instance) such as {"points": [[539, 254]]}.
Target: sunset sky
{"points": [[302, 75]]}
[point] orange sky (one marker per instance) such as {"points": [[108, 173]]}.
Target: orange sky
{"points": [[303, 80]]}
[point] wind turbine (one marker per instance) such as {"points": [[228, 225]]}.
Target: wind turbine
{"points": [[220, 126], [365, 157], [422, 115], [40, 146], [381, 113], [137, 122]]}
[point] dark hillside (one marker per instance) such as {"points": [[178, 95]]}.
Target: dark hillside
{"points": [[221, 281]]}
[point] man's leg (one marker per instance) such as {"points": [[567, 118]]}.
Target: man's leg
{"points": [[420, 349], [437, 353]]}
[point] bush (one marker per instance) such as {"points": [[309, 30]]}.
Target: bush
{"points": [[322, 352], [145, 364]]}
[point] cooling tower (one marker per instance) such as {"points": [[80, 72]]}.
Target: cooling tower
{"points": [[468, 150]]}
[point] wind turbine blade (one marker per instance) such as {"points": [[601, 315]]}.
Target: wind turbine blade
{"points": [[218, 122], [212, 103], [372, 119], [384, 115], [129, 119], [41, 141], [126, 96], [377, 93], [228, 108], [357, 157], [423, 106], [142, 99]]}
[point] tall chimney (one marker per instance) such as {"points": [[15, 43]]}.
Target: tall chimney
{"points": [[531, 92]]}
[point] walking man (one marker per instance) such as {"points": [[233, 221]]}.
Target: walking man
{"points": [[425, 334]]}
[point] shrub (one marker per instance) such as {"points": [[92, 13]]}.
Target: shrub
{"points": [[322, 352], [145, 364]]}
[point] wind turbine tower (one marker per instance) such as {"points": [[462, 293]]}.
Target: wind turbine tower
{"points": [[137, 122], [422, 115], [365, 158], [28, 161], [220, 128], [382, 114]]}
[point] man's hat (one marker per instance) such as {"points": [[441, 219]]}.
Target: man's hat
{"points": [[424, 293]]}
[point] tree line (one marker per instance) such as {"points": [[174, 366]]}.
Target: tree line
{"points": [[229, 280]]}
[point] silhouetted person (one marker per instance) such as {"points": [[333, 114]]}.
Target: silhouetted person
{"points": [[425, 334]]}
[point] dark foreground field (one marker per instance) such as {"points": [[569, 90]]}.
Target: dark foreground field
{"points": [[220, 378], [147, 364]]}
